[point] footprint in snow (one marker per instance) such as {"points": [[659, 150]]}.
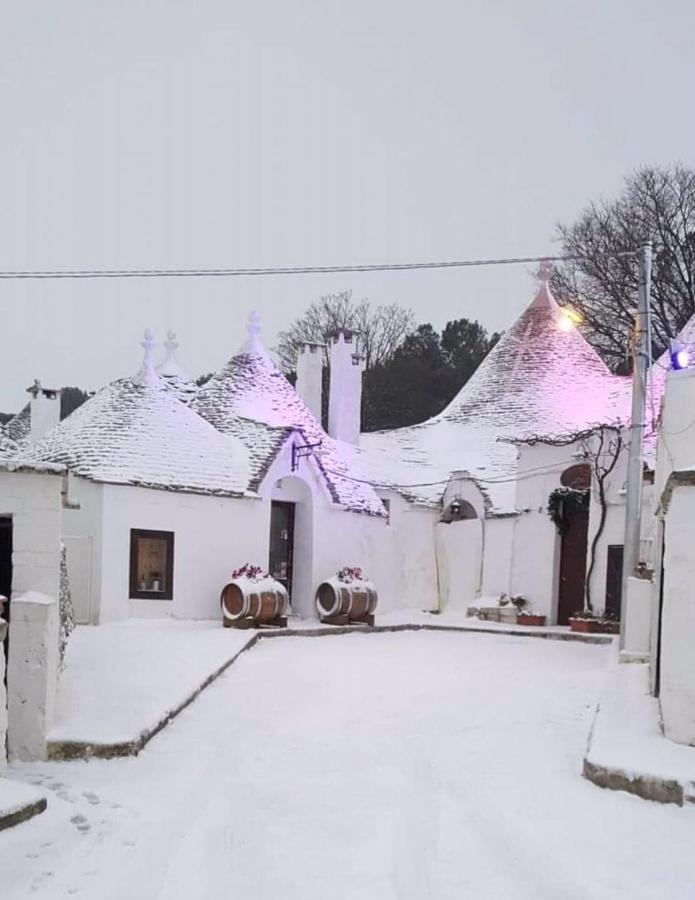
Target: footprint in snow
{"points": [[91, 798]]}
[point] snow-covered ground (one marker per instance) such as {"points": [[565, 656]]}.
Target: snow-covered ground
{"points": [[405, 765]]}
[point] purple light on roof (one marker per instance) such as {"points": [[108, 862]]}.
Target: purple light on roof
{"points": [[681, 359]]}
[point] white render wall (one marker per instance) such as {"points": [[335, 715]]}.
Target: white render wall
{"points": [[677, 692], [33, 500], [213, 536]]}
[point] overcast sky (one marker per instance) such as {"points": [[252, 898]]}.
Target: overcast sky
{"points": [[164, 133]]}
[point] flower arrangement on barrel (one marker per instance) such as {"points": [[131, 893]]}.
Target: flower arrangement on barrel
{"points": [[253, 573], [348, 574]]}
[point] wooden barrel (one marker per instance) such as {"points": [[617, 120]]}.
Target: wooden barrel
{"points": [[263, 600], [353, 599]]}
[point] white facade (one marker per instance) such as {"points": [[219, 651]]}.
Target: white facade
{"points": [[672, 607], [215, 535]]}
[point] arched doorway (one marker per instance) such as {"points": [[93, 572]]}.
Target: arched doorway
{"points": [[573, 525], [291, 543]]}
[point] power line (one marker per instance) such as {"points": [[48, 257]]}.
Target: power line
{"points": [[296, 270]]}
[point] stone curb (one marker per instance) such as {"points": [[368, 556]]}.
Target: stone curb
{"points": [[25, 812], [72, 750], [661, 790]]}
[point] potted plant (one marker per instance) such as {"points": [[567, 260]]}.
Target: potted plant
{"points": [[609, 623], [584, 621], [524, 612]]}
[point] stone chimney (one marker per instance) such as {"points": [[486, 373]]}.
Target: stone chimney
{"points": [[345, 394], [309, 376], [45, 409]]}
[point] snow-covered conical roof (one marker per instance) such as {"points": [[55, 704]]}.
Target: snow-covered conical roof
{"points": [[135, 431], [542, 377], [251, 388], [7, 445], [172, 372]]}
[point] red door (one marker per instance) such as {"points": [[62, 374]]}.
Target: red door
{"points": [[572, 565]]}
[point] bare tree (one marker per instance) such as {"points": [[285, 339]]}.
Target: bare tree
{"points": [[381, 328], [603, 453], [656, 204]]}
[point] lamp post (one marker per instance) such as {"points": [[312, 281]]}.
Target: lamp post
{"points": [[635, 463]]}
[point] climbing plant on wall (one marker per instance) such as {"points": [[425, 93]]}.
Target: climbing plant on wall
{"points": [[564, 501]]}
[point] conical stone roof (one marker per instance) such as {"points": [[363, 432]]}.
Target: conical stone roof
{"points": [[251, 388], [134, 431], [542, 378]]}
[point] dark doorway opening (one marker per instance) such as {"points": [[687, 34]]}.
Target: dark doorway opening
{"points": [[6, 573], [282, 543], [614, 579], [572, 564]]}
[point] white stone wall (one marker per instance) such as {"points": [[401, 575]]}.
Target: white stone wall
{"points": [[82, 528], [459, 548], [677, 692], [212, 537], [33, 501]]}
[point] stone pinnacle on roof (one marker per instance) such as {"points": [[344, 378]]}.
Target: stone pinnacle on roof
{"points": [[253, 344], [544, 296], [173, 374], [147, 374]]}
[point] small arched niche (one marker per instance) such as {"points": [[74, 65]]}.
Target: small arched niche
{"points": [[458, 510], [577, 477]]}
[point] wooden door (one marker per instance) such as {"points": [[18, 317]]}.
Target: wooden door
{"points": [[572, 566], [282, 543], [614, 579]]}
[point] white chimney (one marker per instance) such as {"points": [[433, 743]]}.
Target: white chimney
{"points": [[309, 377], [45, 409], [345, 395]]}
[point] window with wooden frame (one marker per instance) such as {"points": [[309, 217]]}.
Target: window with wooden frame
{"points": [[151, 564]]}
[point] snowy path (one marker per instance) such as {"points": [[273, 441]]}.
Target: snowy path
{"points": [[404, 766]]}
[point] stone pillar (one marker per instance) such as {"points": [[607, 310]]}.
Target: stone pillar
{"points": [[345, 394], [32, 674], [637, 611], [309, 375]]}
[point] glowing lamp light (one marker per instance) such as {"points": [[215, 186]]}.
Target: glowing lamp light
{"points": [[568, 319], [680, 357]]}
